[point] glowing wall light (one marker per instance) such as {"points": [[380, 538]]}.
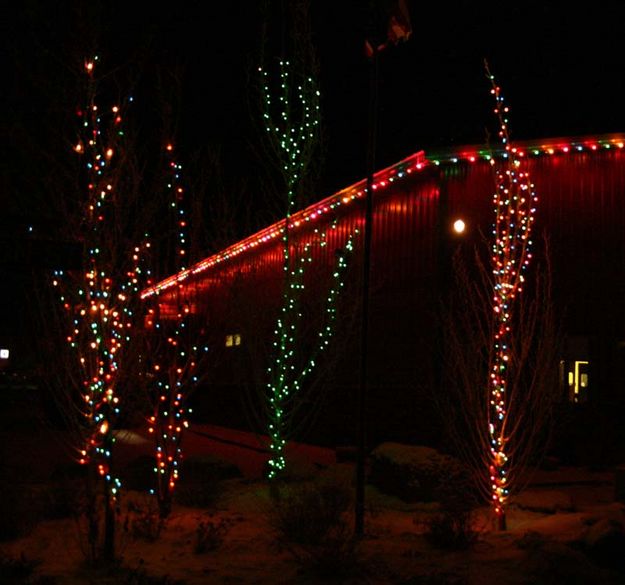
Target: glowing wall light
{"points": [[459, 226]]}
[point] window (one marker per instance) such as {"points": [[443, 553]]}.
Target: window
{"points": [[574, 375], [575, 367], [233, 340]]}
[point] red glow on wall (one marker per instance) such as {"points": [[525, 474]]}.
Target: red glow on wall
{"points": [[330, 207]]}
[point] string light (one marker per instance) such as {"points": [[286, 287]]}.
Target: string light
{"points": [[173, 360], [331, 207], [97, 298], [514, 204], [291, 122], [286, 375]]}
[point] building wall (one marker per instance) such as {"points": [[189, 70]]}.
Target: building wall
{"points": [[581, 211]]}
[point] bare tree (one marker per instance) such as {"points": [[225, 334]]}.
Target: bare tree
{"points": [[500, 329], [174, 345], [292, 121], [99, 299], [532, 389]]}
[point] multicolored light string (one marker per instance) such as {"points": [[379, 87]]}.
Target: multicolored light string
{"points": [[330, 207], [173, 358], [98, 299], [515, 206], [176, 206]]}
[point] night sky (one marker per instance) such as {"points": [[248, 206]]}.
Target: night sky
{"points": [[562, 68]]}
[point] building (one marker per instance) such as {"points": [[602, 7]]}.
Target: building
{"points": [[425, 207]]}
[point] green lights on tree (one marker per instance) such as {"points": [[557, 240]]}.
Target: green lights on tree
{"points": [[287, 374], [292, 123]]}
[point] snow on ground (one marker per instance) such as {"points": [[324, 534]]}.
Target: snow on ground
{"points": [[548, 527]]}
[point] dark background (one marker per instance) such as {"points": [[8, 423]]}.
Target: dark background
{"points": [[561, 67]]}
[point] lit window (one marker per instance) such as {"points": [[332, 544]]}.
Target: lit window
{"points": [[233, 340], [575, 376], [4, 354]]}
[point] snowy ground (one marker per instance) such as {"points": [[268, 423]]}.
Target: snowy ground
{"points": [[547, 540]]}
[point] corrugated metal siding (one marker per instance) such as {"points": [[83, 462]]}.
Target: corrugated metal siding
{"points": [[581, 208]]}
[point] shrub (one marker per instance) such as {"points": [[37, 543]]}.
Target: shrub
{"points": [[143, 522], [210, 534], [453, 527], [309, 521], [454, 531], [308, 513], [413, 473]]}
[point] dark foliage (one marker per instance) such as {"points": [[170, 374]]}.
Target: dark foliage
{"points": [[453, 527], [309, 521], [307, 513], [414, 473], [210, 534], [143, 522], [21, 571]]}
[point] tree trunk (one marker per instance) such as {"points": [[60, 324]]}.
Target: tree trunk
{"points": [[164, 504], [92, 513], [108, 551], [501, 522]]}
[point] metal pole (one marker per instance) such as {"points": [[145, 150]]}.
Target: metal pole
{"points": [[364, 340]]}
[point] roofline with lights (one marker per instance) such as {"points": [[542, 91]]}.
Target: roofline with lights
{"points": [[384, 178]]}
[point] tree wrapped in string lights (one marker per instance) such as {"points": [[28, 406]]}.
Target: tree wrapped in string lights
{"points": [[499, 325], [514, 205], [291, 120], [98, 299], [173, 351]]}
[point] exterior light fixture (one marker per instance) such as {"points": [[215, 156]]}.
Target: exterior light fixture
{"points": [[459, 226]]}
